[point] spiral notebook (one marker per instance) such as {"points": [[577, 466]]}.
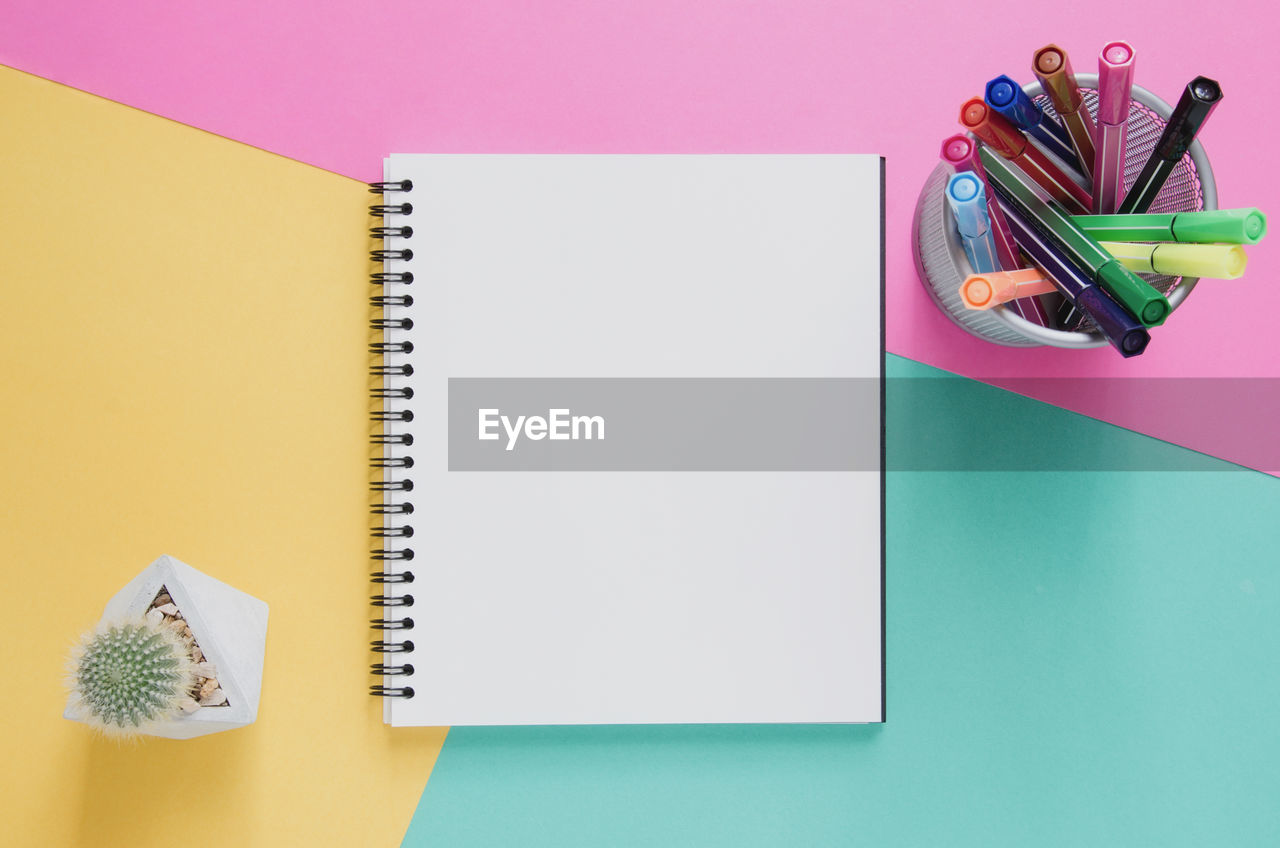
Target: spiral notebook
{"points": [[631, 423]]}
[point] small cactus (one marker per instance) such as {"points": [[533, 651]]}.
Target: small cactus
{"points": [[127, 675]]}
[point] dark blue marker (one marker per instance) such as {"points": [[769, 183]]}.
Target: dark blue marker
{"points": [[1119, 328], [1009, 100]]}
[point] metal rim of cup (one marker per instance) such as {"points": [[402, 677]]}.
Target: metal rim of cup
{"points": [[1074, 339], [1065, 338]]}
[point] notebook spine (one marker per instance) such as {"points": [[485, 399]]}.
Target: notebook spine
{"points": [[391, 507]]}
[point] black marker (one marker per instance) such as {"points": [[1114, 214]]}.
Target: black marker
{"points": [[1193, 109]]}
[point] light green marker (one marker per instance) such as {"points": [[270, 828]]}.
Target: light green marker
{"points": [[1137, 296], [1229, 226]]}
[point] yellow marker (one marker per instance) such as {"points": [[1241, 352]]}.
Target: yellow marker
{"points": [[983, 291], [1216, 261]]}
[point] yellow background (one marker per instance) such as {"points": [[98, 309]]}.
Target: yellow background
{"points": [[184, 371]]}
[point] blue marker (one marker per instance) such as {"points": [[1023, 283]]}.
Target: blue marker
{"points": [[967, 197], [1008, 99]]}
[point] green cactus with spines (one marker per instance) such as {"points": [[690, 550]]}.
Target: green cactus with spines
{"points": [[128, 675]]}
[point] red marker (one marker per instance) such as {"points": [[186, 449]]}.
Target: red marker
{"points": [[1004, 138], [1053, 69]]}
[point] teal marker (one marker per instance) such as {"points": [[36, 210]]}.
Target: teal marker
{"points": [[1131, 291]]}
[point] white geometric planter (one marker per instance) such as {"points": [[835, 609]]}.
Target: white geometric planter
{"points": [[229, 626]]}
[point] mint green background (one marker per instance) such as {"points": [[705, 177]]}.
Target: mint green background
{"points": [[1074, 659]]}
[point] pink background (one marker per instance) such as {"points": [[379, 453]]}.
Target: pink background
{"points": [[340, 85]]}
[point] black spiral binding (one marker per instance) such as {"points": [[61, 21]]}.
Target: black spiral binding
{"points": [[390, 534]]}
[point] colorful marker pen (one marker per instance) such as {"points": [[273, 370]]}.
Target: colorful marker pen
{"points": [[968, 201], [983, 291], [1205, 261], [1215, 261], [1053, 69], [1232, 226], [961, 152], [1193, 109], [1131, 291], [1115, 90], [1116, 325], [1005, 139], [1009, 100]]}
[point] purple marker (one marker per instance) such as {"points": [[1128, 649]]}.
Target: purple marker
{"points": [[1116, 325], [961, 152], [1115, 87]]}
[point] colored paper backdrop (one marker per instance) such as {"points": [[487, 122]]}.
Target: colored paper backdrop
{"points": [[1069, 679], [340, 84], [175, 381], [1065, 668]]}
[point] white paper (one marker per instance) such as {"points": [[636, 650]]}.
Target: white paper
{"points": [[650, 596]]}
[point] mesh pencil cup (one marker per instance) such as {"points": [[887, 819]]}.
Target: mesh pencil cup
{"points": [[939, 254]]}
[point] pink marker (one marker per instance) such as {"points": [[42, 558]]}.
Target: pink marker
{"points": [[1115, 87], [961, 152]]}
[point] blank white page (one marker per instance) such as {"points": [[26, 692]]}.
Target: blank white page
{"points": [[714, 552]]}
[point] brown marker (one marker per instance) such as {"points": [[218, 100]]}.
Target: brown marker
{"points": [[1053, 69]]}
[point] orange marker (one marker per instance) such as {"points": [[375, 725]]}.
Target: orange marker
{"points": [[983, 291], [1004, 138]]}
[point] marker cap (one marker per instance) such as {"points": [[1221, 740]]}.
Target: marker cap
{"points": [[960, 151], [1053, 69], [1115, 82], [1007, 98], [967, 197], [998, 133], [1143, 302], [977, 292], [1198, 101], [1236, 226], [1130, 341], [1214, 261]]}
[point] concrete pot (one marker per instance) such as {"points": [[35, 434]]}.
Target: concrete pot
{"points": [[230, 627]]}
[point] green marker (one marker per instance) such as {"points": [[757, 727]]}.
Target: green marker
{"points": [[1131, 291], [1229, 226]]}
